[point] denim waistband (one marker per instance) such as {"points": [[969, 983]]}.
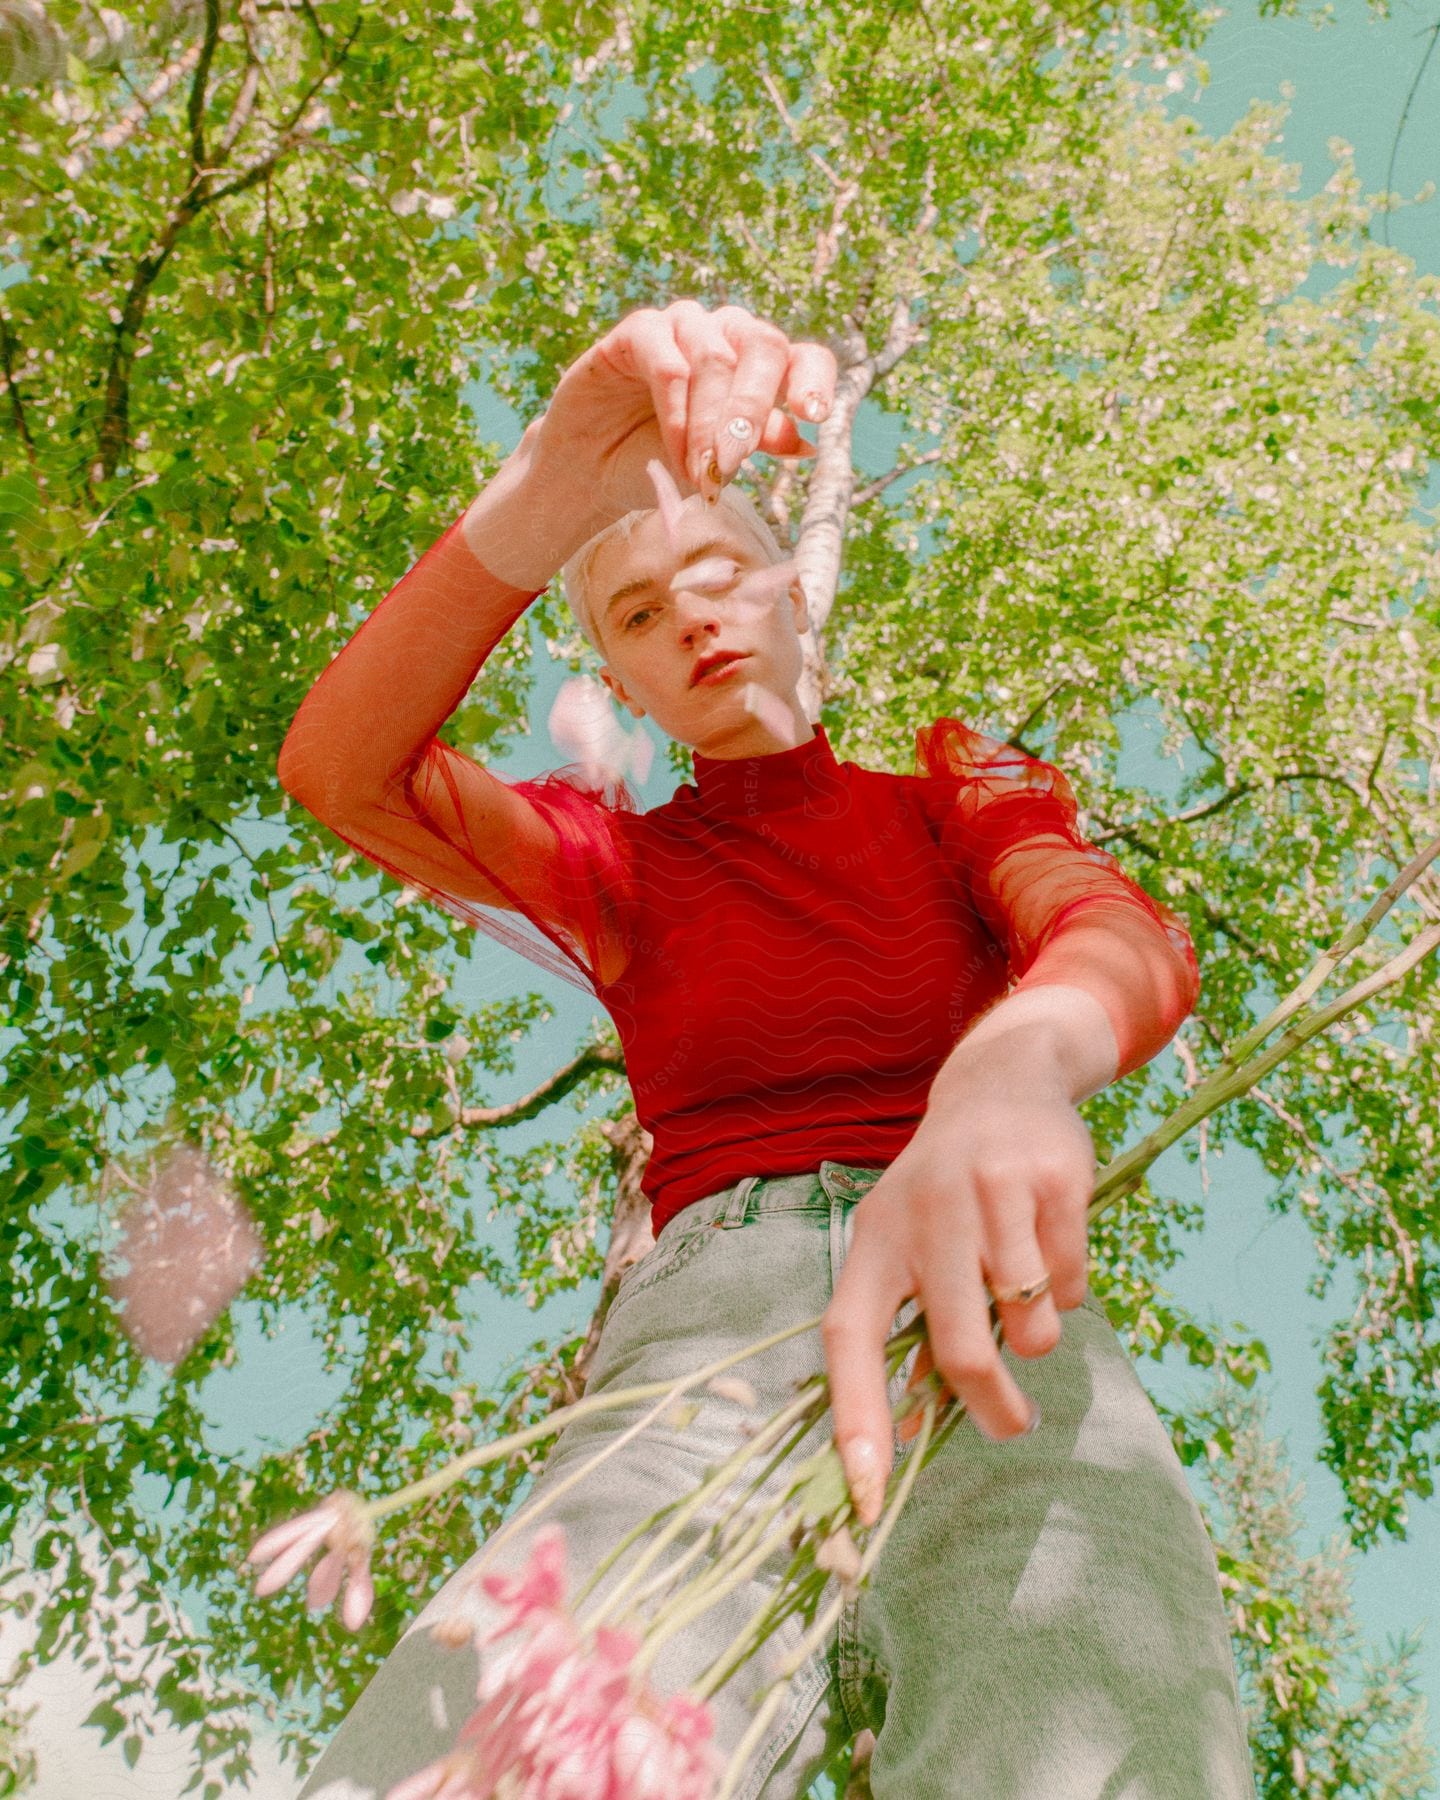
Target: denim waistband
{"points": [[731, 1206]]}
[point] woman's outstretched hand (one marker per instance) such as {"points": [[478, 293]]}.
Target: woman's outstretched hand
{"points": [[666, 383], [992, 1189]]}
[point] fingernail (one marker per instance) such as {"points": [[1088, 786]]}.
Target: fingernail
{"points": [[1034, 1424], [861, 1461], [814, 407]]}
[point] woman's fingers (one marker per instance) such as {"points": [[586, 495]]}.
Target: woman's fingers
{"points": [[924, 1363], [810, 382], [1013, 1258], [701, 369], [957, 1317], [763, 353], [655, 357], [713, 359], [744, 368]]}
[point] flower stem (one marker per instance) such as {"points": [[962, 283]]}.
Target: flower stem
{"points": [[745, 1643], [591, 1403], [719, 1478], [703, 1541], [817, 1633], [737, 1567]]}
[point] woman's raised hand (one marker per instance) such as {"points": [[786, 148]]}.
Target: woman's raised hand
{"points": [[667, 383]]}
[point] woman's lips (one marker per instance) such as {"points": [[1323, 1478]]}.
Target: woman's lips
{"points": [[717, 671]]}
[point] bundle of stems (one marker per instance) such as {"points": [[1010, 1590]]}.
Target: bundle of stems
{"points": [[812, 1512]]}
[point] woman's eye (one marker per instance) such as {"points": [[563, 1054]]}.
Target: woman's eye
{"points": [[639, 613]]}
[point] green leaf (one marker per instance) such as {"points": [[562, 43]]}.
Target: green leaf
{"points": [[107, 1717]]}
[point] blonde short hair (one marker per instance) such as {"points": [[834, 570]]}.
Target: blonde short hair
{"points": [[577, 572]]}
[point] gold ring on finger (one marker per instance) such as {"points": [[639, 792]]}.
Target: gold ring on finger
{"points": [[1022, 1296]]}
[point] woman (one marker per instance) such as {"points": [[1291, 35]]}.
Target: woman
{"points": [[797, 954]]}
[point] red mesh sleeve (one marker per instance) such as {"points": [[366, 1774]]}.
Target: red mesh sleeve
{"points": [[1065, 910], [539, 864]]}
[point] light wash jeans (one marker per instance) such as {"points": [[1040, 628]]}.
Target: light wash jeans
{"points": [[1045, 1622]]}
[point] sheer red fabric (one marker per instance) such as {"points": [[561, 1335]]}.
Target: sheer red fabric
{"points": [[1011, 821], [537, 864], [789, 946]]}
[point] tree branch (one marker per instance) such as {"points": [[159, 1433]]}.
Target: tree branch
{"points": [[195, 109], [138, 113], [1206, 808], [589, 1061], [772, 88], [114, 433], [879, 485]]}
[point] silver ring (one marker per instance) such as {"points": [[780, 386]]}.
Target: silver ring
{"points": [[740, 428], [1021, 1296]]}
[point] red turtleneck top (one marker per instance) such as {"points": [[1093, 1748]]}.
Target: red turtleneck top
{"points": [[789, 947]]}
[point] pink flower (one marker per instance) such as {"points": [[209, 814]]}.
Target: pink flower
{"points": [[187, 1247], [562, 1719], [341, 1525], [540, 1585]]}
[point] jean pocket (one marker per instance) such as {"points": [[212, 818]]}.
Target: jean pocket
{"points": [[671, 1251]]}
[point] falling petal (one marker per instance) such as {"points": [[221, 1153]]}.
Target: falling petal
{"points": [[641, 750], [708, 576], [187, 1247], [764, 585], [584, 726], [581, 719], [667, 501]]}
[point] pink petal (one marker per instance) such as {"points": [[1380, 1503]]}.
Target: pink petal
{"points": [[188, 1245], [325, 1581], [617, 1647], [279, 1536], [541, 1583], [688, 1719], [359, 1598], [667, 501], [290, 1562], [581, 719], [643, 1760], [763, 585], [707, 576], [640, 750]]}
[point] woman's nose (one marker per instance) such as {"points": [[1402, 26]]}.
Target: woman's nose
{"points": [[695, 611]]}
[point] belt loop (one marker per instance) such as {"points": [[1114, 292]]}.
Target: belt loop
{"points": [[737, 1208]]}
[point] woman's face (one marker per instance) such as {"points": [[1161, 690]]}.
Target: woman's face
{"points": [[653, 636]]}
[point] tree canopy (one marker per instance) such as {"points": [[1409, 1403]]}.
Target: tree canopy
{"points": [[1162, 425]]}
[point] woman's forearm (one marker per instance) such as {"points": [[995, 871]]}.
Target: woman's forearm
{"points": [[377, 706], [1103, 997], [1056, 1029]]}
